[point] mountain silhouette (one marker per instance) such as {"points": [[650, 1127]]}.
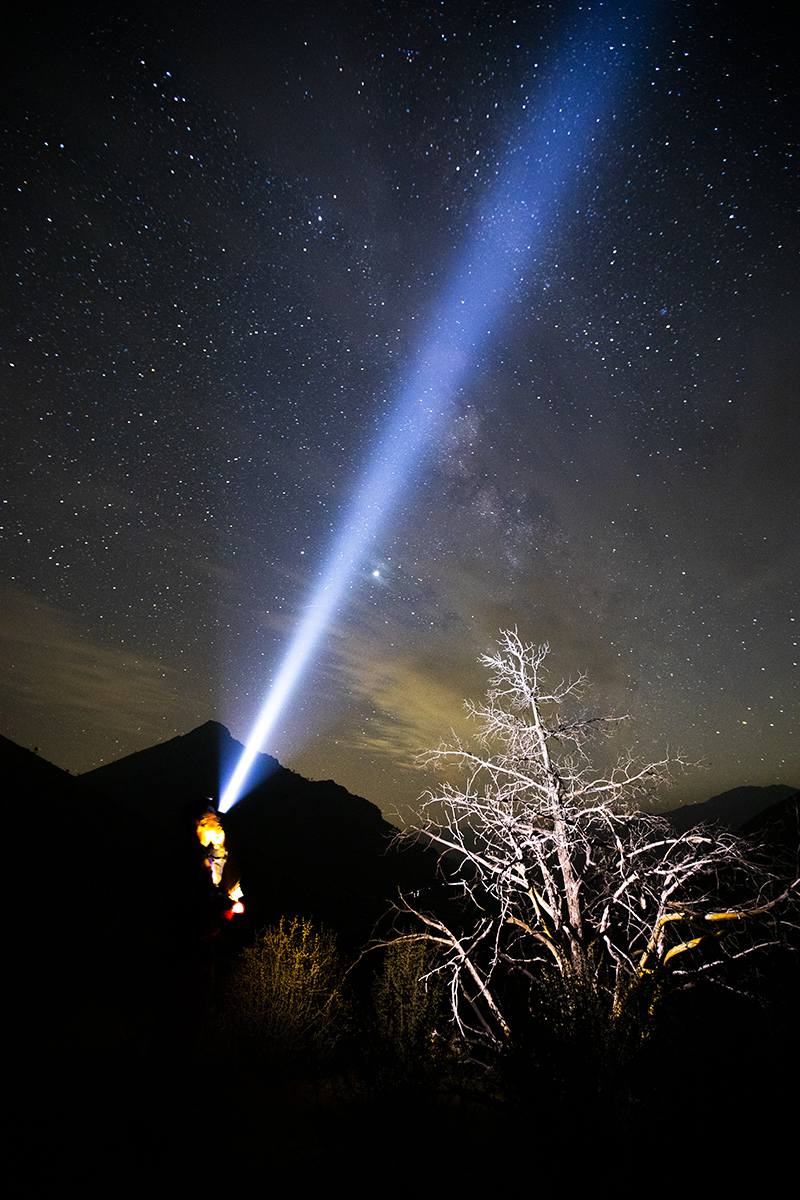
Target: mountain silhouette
{"points": [[731, 809], [303, 848], [105, 950], [159, 781], [88, 913]]}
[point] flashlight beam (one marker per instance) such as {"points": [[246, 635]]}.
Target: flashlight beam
{"points": [[555, 138]]}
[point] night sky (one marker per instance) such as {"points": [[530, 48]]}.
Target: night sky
{"points": [[228, 234]]}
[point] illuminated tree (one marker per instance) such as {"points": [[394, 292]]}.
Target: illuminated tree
{"points": [[568, 888]]}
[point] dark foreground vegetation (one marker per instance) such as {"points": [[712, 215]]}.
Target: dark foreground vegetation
{"points": [[289, 1065], [278, 1049]]}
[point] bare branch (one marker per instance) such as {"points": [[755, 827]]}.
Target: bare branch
{"points": [[559, 867]]}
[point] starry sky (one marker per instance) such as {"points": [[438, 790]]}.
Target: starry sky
{"points": [[226, 231]]}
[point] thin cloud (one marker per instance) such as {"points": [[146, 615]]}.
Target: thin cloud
{"points": [[110, 695]]}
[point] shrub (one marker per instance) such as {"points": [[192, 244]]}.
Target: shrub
{"points": [[286, 999], [412, 1022]]}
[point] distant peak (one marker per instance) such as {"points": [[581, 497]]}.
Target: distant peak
{"points": [[211, 727], [223, 739]]}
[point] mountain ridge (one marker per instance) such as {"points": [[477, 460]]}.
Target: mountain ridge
{"points": [[303, 847], [732, 808]]}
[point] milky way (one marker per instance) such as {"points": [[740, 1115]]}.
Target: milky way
{"points": [[225, 238]]}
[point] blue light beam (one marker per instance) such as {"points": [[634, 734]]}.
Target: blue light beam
{"points": [[561, 122]]}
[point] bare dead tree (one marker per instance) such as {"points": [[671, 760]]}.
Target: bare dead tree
{"points": [[563, 875]]}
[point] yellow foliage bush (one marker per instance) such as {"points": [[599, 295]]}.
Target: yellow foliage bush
{"points": [[286, 998]]}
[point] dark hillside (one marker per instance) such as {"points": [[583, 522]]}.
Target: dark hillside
{"points": [[303, 848], [731, 808], [86, 968]]}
